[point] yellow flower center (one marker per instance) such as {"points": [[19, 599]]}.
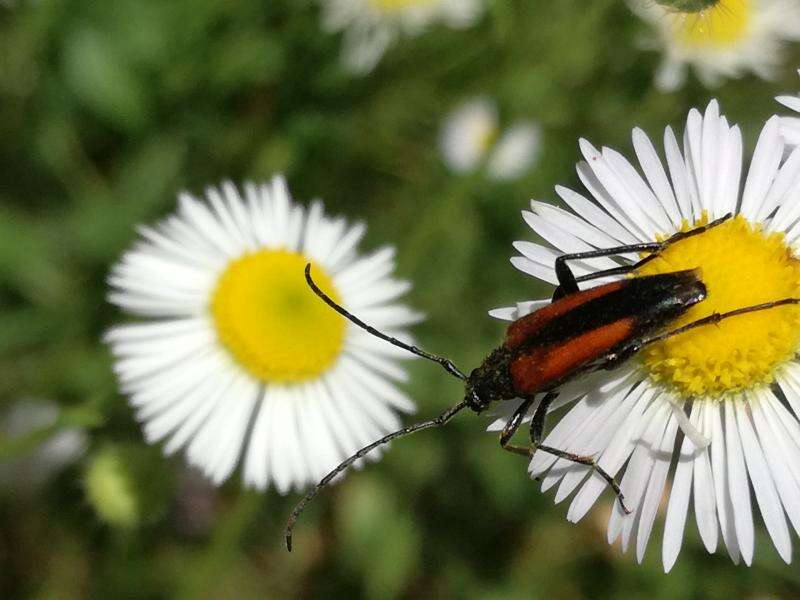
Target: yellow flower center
{"points": [[484, 137], [399, 5], [718, 26], [271, 322], [741, 265]]}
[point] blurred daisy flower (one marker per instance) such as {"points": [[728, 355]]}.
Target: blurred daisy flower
{"points": [[25, 474], [471, 138], [790, 126], [235, 358], [371, 26], [719, 38], [631, 419]]}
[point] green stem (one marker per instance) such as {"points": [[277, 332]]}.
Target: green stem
{"points": [[224, 547], [688, 6]]}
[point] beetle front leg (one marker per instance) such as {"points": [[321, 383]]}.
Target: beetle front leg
{"points": [[516, 420], [511, 428]]}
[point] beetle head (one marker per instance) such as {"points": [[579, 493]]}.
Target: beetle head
{"points": [[490, 382]]}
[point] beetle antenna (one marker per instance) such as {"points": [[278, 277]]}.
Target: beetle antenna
{"points": [[298, 509], [446, 363]]}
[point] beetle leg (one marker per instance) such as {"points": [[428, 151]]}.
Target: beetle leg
{"points": [[511, 428], [537, 430], [682, 235], [715, 318], [590, 462], [568, 283]]}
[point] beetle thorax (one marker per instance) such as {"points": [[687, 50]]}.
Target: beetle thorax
{"points": [[491, 381]]}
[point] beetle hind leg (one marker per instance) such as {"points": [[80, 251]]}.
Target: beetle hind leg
{"points": [[589, 461], [537, 430]]}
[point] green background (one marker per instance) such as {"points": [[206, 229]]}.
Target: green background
{"points": [[107, 109]]}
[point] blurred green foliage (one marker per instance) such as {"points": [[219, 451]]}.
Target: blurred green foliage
{"points": [[107, 109]]}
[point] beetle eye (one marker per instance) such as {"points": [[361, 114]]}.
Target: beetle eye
{"points": [[476, 399]]}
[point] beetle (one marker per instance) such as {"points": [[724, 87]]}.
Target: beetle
{"points": [[580, 331]]}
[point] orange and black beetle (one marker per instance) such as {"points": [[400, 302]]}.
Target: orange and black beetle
{"points": [[578, 332]]}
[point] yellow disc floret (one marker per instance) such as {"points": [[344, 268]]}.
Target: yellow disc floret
{"points": [[399, 5], [722, 25], [271, 322], [741, 265]]}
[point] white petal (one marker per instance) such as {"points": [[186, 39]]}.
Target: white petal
{"points": [[593, 214], [779, 453], [719, 466], [763, 485], [638, 189], [705, 504], [789, 210], [595, 187], [615, 187], [637, 474], [730, 174], [570, 222], [677, 169], [763, 168], [679, 496], [655, 487], [616, 453], [593, 438], [656, 176], [784, 189], [256, 463], [738, 487]]}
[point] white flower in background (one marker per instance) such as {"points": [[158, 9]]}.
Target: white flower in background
{"points": [[27, 472], [371, 26], [719, 38], [631, 419], [471, 138], [235, 357], [790, 126]]}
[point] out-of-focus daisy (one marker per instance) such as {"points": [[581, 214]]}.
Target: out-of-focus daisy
{"points": [[790, 126], [236, 358], [371, 26], [25, 473], [723, 376], [471, 138], [719, 38]]}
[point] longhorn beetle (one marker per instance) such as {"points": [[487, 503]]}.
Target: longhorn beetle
{"points": [[578, 332]]}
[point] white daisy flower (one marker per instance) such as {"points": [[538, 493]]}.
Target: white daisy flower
{"points": [[371, 26], [719, 38], [25, 474], [236, 358], [471, 138], [739, 381], [790, 126]]}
